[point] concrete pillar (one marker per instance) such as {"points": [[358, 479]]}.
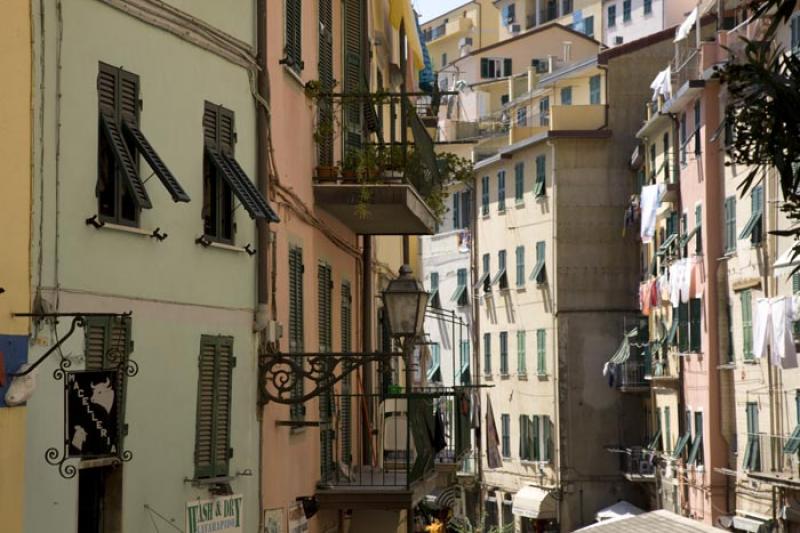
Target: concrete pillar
{"points": [[532, 79], [510, 88]]}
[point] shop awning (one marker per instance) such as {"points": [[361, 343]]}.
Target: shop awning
{"points": [[533, 502]]}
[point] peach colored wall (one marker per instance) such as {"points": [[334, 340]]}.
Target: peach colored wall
{"points": [[701, 182], [291, 457]]}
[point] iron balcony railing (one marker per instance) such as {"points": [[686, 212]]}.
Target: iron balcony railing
{"points": [[632, 374], [637, 463]]}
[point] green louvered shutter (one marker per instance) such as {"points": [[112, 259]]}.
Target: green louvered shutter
{"points": [[353, 73], [695, 314], [293, 51], [541, 360], [325, 326], [522, 366], [683, 327], [747, 324], [296, 326], [537, 446], [346, 413], [547, 439], [325, 67], [212, 434]]}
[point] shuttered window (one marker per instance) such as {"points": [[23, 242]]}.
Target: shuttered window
{"points": [[520, 254], [456, 210], [539, 273], [325, 332], [547, 439], [730, 224], [120, 190], [683, 327], [485, 196], [566, 96], [745, 300], [212, 450], [541, 360], [544, 111], [224, 178], [648, 7], [296, 326], [525, 450], [346, 400], [501, 191], [504, 353], [752, 451], [667, 430], [293, 37], [522, 364], [519, 182], [505, 422], [539, 189], [535, 438], [626, 10], [354, 81], [695, 318], [594, 90], [487, 353], [324, 133]]}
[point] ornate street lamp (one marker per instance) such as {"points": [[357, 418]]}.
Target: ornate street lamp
{"points": [[404, 301]]}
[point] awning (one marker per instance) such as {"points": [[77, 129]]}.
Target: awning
{"points": [[621, 509], [683, 30], [401, 12], [786, 261], [533, 502]]}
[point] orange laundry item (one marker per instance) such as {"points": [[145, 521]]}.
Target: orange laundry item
{"points": [[644, 296]]}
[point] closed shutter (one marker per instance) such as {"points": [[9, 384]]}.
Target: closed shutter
{"points": [[730, 224], [293, 51], [324, 324], [683, 327], [547, 439], [457, 210], [487, 353], [353, 73], [523, 438], [695, 314], [212, 433], [747, 325], [537, 447], [667, 430], [346, 400], [296, 333], [522, 365], [325, 128], [484, 68], [520, 253], [507, 67], [541, 362]]}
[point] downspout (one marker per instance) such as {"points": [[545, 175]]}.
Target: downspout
{"points": [[262, 315], [558, 454], [476, 339]]}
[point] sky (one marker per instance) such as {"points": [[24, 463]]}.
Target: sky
{"points": [[429, 9]]}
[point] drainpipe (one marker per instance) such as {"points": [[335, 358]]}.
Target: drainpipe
{"points": [[366, 334], [476, 339], [262, 225]]}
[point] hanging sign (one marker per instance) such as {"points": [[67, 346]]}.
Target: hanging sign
{"points": [[219, 515], [92, 424]]}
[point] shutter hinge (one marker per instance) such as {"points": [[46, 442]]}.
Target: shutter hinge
{"points": [[125, 430], [233, 362], [302, 269], [230, 453]]}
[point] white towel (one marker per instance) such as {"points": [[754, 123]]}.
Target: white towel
{"points": [[675, 270], [649, 201], [686, 280], [782, 341], [763, 327]]}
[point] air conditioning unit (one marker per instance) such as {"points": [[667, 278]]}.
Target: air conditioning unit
{"points": [[619, 39], [515, 28]]}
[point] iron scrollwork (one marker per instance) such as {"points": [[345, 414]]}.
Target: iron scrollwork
{"points": [[280, 373]]}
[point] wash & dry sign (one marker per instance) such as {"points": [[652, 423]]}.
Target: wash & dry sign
{"points": [[220, 515]]}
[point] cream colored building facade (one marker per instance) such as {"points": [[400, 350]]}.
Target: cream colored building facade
{"points": [[457, 32]]}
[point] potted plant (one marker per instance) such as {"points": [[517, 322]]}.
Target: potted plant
{"points": [[394, 159], [349, 165]]}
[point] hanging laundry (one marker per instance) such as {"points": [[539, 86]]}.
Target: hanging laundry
{"points": [[686, 280], [644, 296], [650, 199], [698, 277], [664, 288], [782, 339], [654, 296], [675, 271], [439, 443], [763, 327]]}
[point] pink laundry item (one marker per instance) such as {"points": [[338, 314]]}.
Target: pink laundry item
{"points": [[645, 297]]}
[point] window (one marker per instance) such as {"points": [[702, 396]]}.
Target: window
{"points": [[485, 279], [547, 439], [795, 38], [544, 111], [566, 96], [539, 272], [683, 138], [520, 253], [588, 26], [667, 430], [325, 111], [501, 276], [666, 157], [444, 60], [648, 7], [752, 452], [487, 353], [346, 409], [485, 196], [293, 38], [697, 127], [683, 327], [522, 364], [434, 373], [539, 189], [326, 400], [465, 357], [503, 353], [594, 90], [460, 295], [536, 438], [223, 178], [354, 64], [434, 300], [566, 7], [522, 117], [729, 318], [296, 326], [519, 182], [696, 453], [685, 440], [466, 209], [501, 191], [612, 16], [213, 436], [698, 228], [505, 422], [495, 67], [626, 10], [653, 162], [509, 13], [525, 444], [753, 228], [456, 210], [503, 99], [747, 324], [541, 361], [121, 194]]}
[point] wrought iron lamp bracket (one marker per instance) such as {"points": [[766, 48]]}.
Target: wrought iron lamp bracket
{"points": [[280, 373]]}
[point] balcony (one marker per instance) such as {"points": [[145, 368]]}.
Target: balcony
{"points": [[665, 371], [453, 28], [401, 464], [577, 117], [636, 464], [631, 376], [390, 170]]}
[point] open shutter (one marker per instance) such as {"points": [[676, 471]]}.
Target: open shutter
{"points": [[325, 67], [353, 72], [296, 333], [167, 178], [96, 341], [205, 434], [484, 67], [293, 38]]}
